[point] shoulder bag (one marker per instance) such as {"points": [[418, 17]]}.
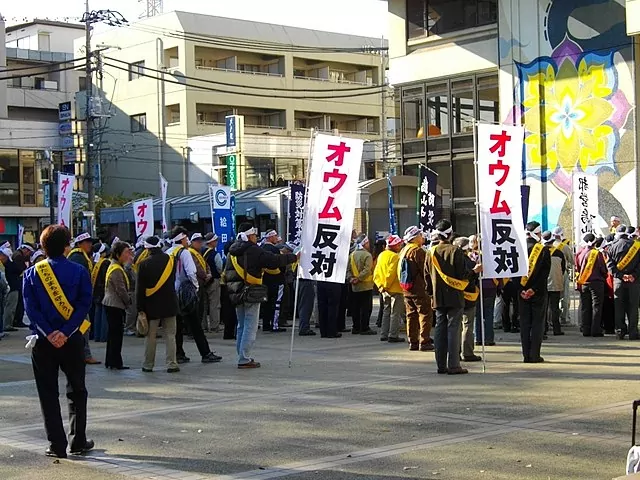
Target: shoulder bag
{"points": [[252, 293]]}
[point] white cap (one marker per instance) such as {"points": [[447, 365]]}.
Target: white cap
{"points": [[411, 233], [82, 237], [5, 249], [196, 236]]}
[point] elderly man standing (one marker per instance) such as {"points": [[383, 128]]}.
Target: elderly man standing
{"points": [[563, 244], [615, 223], [214, 260], [386, 278], [416, 300], [360, 276], [274, 281]]}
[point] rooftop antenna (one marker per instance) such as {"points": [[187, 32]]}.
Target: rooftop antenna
{"points": [[152, 8]]}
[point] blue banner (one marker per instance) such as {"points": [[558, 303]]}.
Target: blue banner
{"points": [[525, 191], [427, 198], [296, 212], [393, 225], [222, 214]]}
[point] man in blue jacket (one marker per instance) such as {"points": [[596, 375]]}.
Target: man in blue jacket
{"points": [[57, 297]]}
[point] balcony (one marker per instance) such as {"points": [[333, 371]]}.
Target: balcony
{"points": [[220, 60], [344, 124], [334, 72], [37, 55]]}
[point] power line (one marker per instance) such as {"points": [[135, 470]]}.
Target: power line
{"points": [[48, 64], [26, 75]]}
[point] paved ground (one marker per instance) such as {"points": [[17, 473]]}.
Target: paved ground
{"points": [[352, 408]]}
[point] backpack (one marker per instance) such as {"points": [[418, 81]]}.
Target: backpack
{"points": [[187, 293], [405, 276]]}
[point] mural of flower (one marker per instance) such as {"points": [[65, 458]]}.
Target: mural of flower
{"points": [[570, 103]]}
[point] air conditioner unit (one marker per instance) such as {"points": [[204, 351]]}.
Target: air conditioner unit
{"points": [[335, 132]]}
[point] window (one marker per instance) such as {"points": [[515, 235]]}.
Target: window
{"points": [[462, 106], [438, 115], [464, 180], [138, 122], [28, 177], [259, 172], [413, 118], [136, 70], [247, 67], [437, 17], [82, 84], [9, 178]]}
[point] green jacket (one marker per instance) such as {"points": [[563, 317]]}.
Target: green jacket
{"points": [[360, 266]]}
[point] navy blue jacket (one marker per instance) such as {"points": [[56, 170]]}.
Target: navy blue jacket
{"points": [[75, 283]]}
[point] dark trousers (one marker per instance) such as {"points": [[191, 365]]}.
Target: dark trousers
{"points": [[269, 307], [448, 337], [361, 307], [380, 310], [511, 309], [47, 361], [192, 320], [625, 298], [553, 312], [115, 318], [532, 317], [227, 314], [345, 290], [328, 306], [17, 319], [591, 303], [608, 314], [306, 300]]}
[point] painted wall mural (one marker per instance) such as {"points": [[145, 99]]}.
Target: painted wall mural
{"points": [[572, 83]]}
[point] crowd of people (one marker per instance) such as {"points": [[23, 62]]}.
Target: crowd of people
{"points": [[71, 292]]}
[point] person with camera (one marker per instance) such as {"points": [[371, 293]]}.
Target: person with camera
{"points": [[243, 276]]}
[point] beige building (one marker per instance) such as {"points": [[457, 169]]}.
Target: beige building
{"points": [[283, 80]]}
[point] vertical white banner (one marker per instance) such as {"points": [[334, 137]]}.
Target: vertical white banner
{"points": [[164, 185], [585, 205], [65, 198], [504, 245], [328, 219], [20, 235], [143, 217]]}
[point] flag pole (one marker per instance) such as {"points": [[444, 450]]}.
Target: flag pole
{"points": [[475, 173], [295, 300]]}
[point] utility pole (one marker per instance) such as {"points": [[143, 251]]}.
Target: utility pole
{"points": [[91, 191], [383, 117]]}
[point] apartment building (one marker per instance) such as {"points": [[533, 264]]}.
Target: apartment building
{"points": [[29, 118], [267, 73], [565, 70]]}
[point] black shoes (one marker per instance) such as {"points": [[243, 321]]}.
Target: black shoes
{"points": [[369, 332], [210, 358], [337, 335], [427, 347], [534, 360], [558, 334], [183, 359], [414, 347], [307, 333], [173, 370], [52, 451], [147, 370], [121, 367], [396, 340], [87, 447], [472, 358]]}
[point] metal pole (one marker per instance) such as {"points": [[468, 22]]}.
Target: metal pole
{"points": [[52, 215], [89, 92], [161, 101], [383, 118], [295, 300], [475, 174]]}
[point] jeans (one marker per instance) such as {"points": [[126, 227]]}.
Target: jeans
{"points": [[392, 308], [248, 317], [591, 301], [100, 324], [447, 338], [306, 300], [150, 342], [488, 303]]}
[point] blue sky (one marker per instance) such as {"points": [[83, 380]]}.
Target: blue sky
{"points": [[357, 17]]}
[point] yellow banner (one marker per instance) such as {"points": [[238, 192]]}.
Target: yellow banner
{"points": [[588, 267], [249, 278], [166, 273], [628, 258], [112, 268], [141, 258], [96, 271], [199, 258], [452, 282], [54, 290], [472, 296], [533, 261]]}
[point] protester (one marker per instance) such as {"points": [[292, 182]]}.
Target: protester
{"points": [[274, 281], [555, 284], [592, 275], [5, 257], [386, 279], [227, 309], [21, 257], [417, 301], [614, 224], [244, 270], [157, 303], [329, 308], [378, 248], [83, 246], [36, 257], [470, 294], [13, 271], [203, 273], [57, 327], [562, 244], [360, 276], [624, 265], [186, 275], [214, 260], [98, 315], [447, 276], [116, 300], [533, 296]]}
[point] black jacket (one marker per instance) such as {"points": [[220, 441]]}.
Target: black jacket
{"points": [[473, 282], [257, 259], [13, 270], [617, 251], [163, 303], [540, 275], [98, 288], [270, 278]]}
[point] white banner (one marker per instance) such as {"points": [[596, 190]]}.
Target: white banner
{"points": [[20, 235], [328, 219], [164, 185], [504, 245], [585, 205], [65, 198], [143, 217]]}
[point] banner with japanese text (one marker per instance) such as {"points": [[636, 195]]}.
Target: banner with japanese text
{"points": [[65, 198], [504, 247], [330, 209], [393, 224], [428, 181], [143, 217], [20, 235], [296, 212], [221, 214], [585, 205], [164, 185]]}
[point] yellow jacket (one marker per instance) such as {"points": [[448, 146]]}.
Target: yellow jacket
{"points": [[385, 275]]}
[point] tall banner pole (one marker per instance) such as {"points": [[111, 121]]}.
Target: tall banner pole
{"points": [[295, 300], [479, 228]]}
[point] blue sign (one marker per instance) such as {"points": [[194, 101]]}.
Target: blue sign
{"points": [[296, 212], [222, 215], [393, 225], [231, 130]]}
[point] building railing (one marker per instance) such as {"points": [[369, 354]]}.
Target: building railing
{"points": [[247, 125], [38, 56], [266, 74], [332, 80]]}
